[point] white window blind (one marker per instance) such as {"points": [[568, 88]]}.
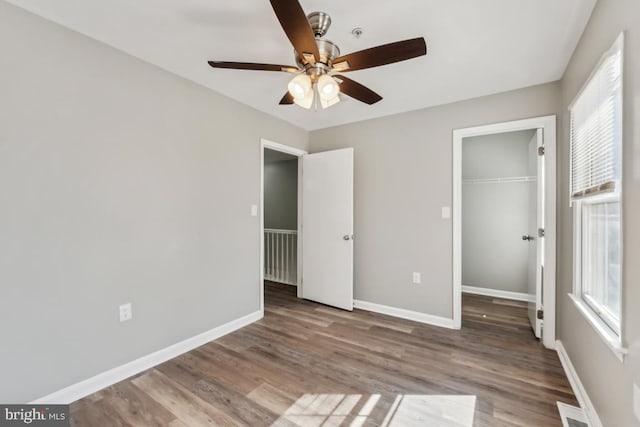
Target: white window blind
{"points": [[596, 129]]}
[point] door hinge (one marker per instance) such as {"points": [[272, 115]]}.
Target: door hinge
{"points": [[540, 232], [541, 150], [540, 314]]}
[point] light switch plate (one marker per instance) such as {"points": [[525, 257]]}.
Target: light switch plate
{"points": [[446, 212], [254, 210], [636, 401]]}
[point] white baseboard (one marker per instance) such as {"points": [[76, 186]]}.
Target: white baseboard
{"points": [[86, 387], [578, 388], [496, 293], [405, 314]]}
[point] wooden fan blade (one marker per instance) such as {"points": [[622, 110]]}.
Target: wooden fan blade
{"points": [[253, 66], [295, 25], [382, 55], [356, 90], [286, 99]]}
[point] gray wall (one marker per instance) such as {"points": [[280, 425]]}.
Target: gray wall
{"points": [[608, 382], [281, 195], [403, 177], [495, 215], [114, 187]]}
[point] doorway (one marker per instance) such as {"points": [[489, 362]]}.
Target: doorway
{"points": [[504, 196], [280, 234], [324, 248], [280, 217], [495, 205]]}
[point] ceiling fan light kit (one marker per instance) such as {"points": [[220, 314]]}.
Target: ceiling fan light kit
{"points": [[318, 59], [300, 86], [327, 87], [306, 101], [328, 103], [304, 91]]}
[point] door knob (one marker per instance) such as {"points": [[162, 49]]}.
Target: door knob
{"points": [[525, 237], [346, 237]]}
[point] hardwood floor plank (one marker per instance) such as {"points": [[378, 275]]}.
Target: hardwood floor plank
{"points": [[185, 405], [235, 404], [200, 363], [134, 406], [97, 413], [272, 398]]}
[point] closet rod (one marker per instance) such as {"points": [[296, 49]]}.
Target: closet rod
{"points": [[499, 180]]}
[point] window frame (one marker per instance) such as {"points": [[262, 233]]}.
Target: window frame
{"points": [[598, 309], [605, 325]]}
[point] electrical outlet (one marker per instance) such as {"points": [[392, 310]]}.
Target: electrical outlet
{"points": [[636, 401], [416, 278], [126, 313]]}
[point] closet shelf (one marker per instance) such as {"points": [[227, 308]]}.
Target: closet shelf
{"points": [[499, 180]]}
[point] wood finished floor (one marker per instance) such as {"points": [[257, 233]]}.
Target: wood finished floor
{"points": [[311, 365]]}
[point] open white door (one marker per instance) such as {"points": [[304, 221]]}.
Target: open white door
{"points": [[535, 232], [327, 228]]}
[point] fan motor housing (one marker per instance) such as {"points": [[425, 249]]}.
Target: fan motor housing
{"points": [[319, 23], [328, 52]]}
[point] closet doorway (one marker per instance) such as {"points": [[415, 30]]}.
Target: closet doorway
{"points": [[504, 218]]}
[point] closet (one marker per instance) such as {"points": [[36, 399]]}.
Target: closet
{"points": [[495, 212]]}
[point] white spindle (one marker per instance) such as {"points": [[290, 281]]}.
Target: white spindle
{"points": [[272, 245], [280, 259]]}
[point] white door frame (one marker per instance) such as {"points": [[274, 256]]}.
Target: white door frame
{"points": [[548, 124], [265, 143]]}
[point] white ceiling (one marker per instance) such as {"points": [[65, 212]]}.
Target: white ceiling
{"points": [[474, 47]]}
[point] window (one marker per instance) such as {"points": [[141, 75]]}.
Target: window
{"points": [[596, 175], [600, 260]]}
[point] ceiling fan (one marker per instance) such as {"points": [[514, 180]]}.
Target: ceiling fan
{"points": [[318, 59]]}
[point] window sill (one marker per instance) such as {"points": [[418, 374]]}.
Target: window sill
{"points": [[610, 339]]}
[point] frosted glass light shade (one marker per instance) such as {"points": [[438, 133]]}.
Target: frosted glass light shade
{"points": [[328, 103], [327, 87], [306, 101], [300, 86]]}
